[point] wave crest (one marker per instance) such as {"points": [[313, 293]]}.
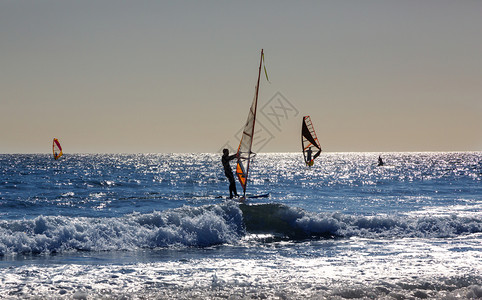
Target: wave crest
{"points": [[295, 223], [213, 225], [185, 226]]}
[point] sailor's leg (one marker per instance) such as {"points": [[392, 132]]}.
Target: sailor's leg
{"points": [[232, 187]]}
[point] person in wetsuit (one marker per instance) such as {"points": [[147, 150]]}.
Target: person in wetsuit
{"points": [[229, 172], [308, 154], [309, 158]]}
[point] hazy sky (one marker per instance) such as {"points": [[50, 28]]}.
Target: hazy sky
{"points": [[179, 76]]}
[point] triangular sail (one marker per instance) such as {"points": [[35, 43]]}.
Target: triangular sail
{"points": [[309, 140], [56, 149], [244, 149]]}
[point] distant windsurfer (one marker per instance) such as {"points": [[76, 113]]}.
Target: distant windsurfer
{"points": [[229, 172], [380, 161]]}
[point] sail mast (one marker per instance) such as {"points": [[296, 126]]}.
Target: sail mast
{"points": [[244, 149], [254, 121]]}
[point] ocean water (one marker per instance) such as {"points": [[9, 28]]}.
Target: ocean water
{"points": [[160, 226]]}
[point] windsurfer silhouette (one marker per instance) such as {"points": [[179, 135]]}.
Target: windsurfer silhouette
{"points": [[380, 161], [229, 172], [309, 159]]}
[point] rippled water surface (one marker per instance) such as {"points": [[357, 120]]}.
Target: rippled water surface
{"points": [[160, 226]]}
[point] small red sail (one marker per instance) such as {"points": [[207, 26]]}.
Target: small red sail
{"points": [[56, 149]]}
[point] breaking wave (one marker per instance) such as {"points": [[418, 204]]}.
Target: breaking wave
{"points": [[296, 223], [213, 225], [185, 226]]}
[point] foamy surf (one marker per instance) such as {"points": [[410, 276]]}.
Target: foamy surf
{"points": [[210, 225]]}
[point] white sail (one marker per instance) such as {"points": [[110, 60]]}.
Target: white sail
{"points": [[244, 149]]}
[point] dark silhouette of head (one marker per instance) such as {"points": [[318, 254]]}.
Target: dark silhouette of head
{"points": [[225, 151]]}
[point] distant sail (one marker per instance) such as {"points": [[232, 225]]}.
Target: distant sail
{"points": [[57, 149], [308, 141], [244, 149]]}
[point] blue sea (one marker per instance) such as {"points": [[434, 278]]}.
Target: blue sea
{"points": [[160, 226]]}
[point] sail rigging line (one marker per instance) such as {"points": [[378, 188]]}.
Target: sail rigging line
{"points": [[245, 144], [264, 66], [308, 140]]}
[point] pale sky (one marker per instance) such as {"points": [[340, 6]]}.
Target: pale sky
{"points": [[179, 76]]}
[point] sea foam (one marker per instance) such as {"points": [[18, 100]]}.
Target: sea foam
{"points": [[185, 226], [208, 225]]}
